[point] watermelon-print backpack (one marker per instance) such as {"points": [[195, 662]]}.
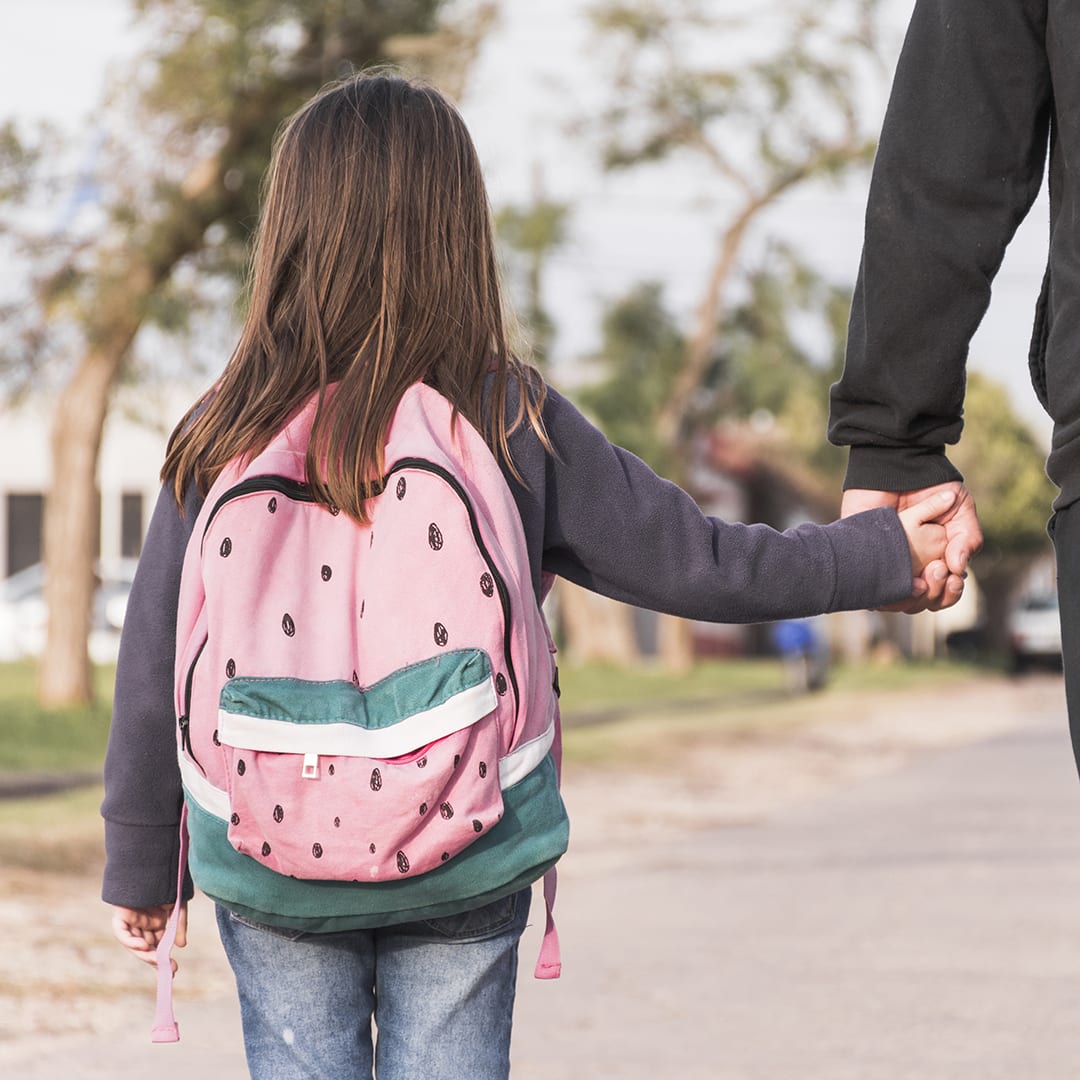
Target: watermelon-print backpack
{"points": [[368, 715]]}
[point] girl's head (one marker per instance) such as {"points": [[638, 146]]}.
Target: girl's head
{"points": [[374, 268]]}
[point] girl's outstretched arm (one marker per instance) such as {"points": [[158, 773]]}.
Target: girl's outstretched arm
{"points": [[600, 517]]}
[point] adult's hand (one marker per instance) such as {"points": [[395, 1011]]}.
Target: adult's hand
{"points": [[942, 582]]}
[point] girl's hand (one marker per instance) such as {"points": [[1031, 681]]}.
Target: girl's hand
{"points": [[140, 929], [926, 533]]}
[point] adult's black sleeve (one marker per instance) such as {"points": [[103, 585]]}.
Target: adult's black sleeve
{"points": [[960, 161]]}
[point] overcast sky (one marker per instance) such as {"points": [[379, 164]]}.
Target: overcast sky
{"points": [[535, 72]]}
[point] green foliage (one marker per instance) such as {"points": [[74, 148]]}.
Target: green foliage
{"points": [[782, 346], [759, 115], [641, 352], [50, 740], [1004, 466], [529, 234], [17, 161], [777, 351]]}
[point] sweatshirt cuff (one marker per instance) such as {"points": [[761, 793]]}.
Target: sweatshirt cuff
{"points": [[142, 865], [873, 560], [898, 468]]}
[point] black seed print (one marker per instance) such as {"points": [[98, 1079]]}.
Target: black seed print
{"points": [[446, 810], [376, 780], [483, 769], [226, 548], [337, 823], [272, 504], [478, 826], [355, 679], [423, 809], [288, 625], [316, 850], [330, 768], [434, 537], [440, 634], [401, 487], [487, 584], [230, 667], [372, 849], [500, 684], [363, 603], [235, 819], [371, 539], [457, 760], [279, 813], [335, 510], [402, 862], [326, 573], [422, 763], [444, 856], [214, 737], [241, 768], [265, 849]]}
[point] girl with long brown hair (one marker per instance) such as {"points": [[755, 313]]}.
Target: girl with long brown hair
{"points": [[375, 269]]}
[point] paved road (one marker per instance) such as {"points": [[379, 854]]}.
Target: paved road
{"points": [[924, 924]]}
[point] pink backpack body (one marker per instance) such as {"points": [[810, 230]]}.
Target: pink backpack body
{"points": [[368, 716]]}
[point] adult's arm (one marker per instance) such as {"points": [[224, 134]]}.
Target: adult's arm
{"points": [[959, 164]]}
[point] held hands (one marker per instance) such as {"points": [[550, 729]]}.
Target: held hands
{"points": [[140, 929], [943, 537], [925, 533]]}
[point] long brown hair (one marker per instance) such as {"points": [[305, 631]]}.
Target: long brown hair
{"points": [[374, 268]]}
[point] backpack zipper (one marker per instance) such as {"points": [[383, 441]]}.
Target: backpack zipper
{"points": [[183, 722], [291, 489], [294, 489]]}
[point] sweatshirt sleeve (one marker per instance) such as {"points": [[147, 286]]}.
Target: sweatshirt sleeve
{"points": [[142, 778], [610, 524], [959, 164]]}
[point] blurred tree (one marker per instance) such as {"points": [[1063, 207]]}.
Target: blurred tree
{"points": [[766, 100], [641, 350], [774, 356], [531, 233], [780, 348], [1005, 467], [180, 198]]}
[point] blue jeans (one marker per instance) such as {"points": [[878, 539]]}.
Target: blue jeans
{"points": [[440, 991]]}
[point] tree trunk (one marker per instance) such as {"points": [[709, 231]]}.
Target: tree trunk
{"points": [[71, 529], [675, 642], [596, 628], [998, 584]]}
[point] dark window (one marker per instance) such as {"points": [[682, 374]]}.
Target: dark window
{"points": [[131, 524], [24, 518]]}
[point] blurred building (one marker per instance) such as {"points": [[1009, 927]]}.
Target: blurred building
{"points": [[132, 450]]}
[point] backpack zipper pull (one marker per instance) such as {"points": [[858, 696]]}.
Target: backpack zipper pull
{"points": [[311, 767], [184, 724]]}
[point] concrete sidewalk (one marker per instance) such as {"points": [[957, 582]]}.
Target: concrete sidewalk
{"points": [[924, 924]]}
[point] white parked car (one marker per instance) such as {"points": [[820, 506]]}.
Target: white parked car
{"points": [[1035, 633], [23, 615]]}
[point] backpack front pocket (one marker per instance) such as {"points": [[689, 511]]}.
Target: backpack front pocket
{"points": [[327, 780]]}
